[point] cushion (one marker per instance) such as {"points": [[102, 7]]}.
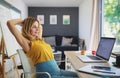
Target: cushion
{"points": [[66, 41], [50, 40]]}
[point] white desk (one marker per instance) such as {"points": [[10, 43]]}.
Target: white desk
{"points": [[77, 63]]}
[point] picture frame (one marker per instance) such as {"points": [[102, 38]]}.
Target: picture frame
{"points": [[66, 19], [53, 19], [40, 18]]}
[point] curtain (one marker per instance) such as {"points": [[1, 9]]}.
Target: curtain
{"points": [[94, 31]]}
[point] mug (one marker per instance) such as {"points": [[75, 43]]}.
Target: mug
{"points": [[118, 60], [93, 52]]}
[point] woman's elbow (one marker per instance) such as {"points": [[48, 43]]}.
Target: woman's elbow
{"points": [[8, 23]]}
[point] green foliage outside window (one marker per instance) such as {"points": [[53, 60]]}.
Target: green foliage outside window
{"points": [[112, 18]]}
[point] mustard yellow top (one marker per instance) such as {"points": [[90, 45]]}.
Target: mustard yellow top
{"points": [[40, 51]]}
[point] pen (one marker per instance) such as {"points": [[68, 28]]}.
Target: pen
{"points": [[109, 72]]}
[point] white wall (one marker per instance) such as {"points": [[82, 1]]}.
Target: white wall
{"points": [[85, 9], [19, 4]]}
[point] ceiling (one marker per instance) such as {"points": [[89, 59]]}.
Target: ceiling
{"points": [[52, 3]]}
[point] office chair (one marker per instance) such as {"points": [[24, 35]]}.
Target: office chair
{"points": [[29, 70]]}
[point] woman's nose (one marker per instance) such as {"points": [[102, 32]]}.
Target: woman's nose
{"points": [[38, 29]]}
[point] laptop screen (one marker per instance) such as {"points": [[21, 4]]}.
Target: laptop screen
{"points": [[105, 47]]}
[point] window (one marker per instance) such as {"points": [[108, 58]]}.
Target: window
{"points": [[111, 21]]}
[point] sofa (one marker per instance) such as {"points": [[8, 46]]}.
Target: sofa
{"points": [[63, 43]]}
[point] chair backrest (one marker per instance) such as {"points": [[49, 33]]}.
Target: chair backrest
{"points": [[28, 67]]}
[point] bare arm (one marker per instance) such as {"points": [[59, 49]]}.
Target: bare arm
{"points": [[20, 39]]}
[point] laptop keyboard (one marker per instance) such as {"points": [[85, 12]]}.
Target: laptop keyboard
{"points": [[93, 57]]}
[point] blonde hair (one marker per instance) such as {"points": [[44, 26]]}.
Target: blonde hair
{"points": [[26, 26]]}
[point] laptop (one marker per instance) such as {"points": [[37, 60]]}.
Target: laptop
{"points": [[103, 52]]}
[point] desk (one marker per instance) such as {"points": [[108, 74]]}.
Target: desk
{"points": [[77, 63]]}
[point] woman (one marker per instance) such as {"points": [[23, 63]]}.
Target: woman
{"points": [[36, 48]]}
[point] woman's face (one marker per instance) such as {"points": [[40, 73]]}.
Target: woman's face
{"points": [[36, 29]]}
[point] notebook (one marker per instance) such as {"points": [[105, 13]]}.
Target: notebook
{"points": [[103, 52], [106, 71]]}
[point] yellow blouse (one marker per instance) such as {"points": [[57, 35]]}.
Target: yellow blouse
{"points": [[40, 51]]}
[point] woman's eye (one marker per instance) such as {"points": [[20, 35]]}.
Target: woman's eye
{"points": [[34, 27]]}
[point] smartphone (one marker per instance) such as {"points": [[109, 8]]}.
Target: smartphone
{"points": [[101, 67]]}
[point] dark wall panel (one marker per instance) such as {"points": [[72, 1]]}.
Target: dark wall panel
{"points": [[59, 28]]}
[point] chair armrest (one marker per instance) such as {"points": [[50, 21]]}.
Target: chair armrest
{"points": [[22, 74], [60, 61]]}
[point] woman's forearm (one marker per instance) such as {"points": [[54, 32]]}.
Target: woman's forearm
{"points": [[14, 22]]}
